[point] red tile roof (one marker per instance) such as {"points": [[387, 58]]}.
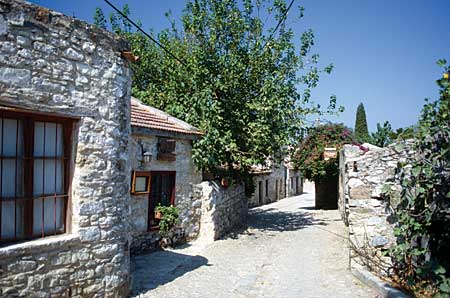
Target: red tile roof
{"points": [[149, 117]]}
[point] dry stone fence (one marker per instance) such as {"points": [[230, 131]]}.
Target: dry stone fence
{"points": [[361, 203], [221, 209]]}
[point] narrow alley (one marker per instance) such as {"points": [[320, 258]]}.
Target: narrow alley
{"points": [[288, 250]]}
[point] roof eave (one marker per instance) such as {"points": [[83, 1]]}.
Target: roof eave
{"points": [[146, 131]]}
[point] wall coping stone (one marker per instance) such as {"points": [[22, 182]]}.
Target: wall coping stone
{"points": [[39, 245]]}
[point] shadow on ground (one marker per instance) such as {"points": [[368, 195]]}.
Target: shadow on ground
{"points": [[155, 269], [280, 221], [274, 220]]}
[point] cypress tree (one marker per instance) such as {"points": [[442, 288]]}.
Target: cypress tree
{"points": [[361, 131]]}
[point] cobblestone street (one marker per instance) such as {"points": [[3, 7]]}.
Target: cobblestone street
{"points": [[288, 250]]}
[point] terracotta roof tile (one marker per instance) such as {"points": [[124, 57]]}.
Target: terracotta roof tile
{"points": [[149, 117]]}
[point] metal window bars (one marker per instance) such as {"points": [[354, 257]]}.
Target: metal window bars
{"points": [[34, 167]]}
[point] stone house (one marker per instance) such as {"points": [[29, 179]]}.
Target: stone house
{"points": [[264, 192], [162, 173], [64, 166]]}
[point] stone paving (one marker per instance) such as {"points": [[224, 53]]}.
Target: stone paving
{"points": [[288, 250]]}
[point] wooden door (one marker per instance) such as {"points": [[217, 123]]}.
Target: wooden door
{"points": [[162, 191]]}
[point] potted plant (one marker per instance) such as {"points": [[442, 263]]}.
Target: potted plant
{"points": [[224, 182], [168, 218], [158, 214]]}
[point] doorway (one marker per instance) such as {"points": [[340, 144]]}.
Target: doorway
{"points": [[162, 191], [260, 193]]}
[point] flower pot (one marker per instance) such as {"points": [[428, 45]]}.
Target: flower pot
{"points": [[224, 182], [158, 215]]}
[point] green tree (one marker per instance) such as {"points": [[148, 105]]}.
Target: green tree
{"points": [[119, 24], [409, 132], [99, 18], [236, 80], [383, 136], [361, 130]]}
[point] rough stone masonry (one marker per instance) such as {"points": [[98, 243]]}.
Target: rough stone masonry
{"points": [[361, 203], [51, 63], [222, 209]]}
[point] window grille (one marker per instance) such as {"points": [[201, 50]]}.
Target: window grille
{"points": [[34, 175]]}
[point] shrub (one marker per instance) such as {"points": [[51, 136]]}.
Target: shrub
{"points": [[308, 158], [383, 136], [169, 218]]}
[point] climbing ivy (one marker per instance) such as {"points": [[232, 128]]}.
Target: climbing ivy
{"points": [[420, 256]]}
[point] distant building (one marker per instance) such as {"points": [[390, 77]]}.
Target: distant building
{"points": [[294, 180], [275, 182]]}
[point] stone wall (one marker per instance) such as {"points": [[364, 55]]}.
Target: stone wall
{"points": [[222, 209], [55, 64], [363, 209], [186, 199]]}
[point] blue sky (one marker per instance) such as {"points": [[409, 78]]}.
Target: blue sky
{"points": [[384, 51]]}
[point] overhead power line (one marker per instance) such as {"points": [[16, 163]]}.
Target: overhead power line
{"points": [[145, 33], [283, 18]]}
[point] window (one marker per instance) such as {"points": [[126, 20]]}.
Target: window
{"points": [[162, 191], [140, 183], [34, 175], [260, 193], [267, 187], [281, 188]]}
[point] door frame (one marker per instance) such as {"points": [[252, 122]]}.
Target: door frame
{"points": [[151, 213]]}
